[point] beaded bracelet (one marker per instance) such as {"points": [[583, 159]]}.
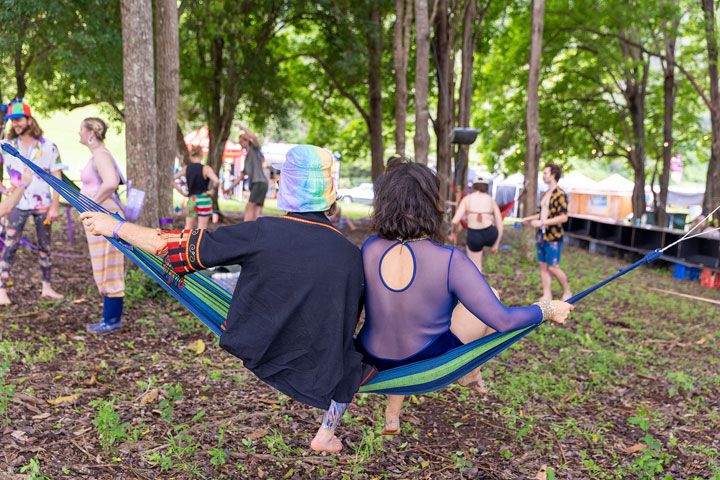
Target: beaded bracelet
{"points": [[117, 229], [22, 185], [548, 309]]}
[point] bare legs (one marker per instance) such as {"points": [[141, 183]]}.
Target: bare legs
{"points": [[203, 221], [546, 274], [476, 257], [252, 211], [189, 223], [467, 328], [325, 439]]}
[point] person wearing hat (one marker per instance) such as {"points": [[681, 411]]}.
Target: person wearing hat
{"points": [[256, 176], [37, 202], [485, 223], [293, 312]]}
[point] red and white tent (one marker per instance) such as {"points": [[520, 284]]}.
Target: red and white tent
{"points": [[201, 138]]}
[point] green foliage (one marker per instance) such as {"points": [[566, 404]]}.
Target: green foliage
{"points": [[139, 287], [7, 391], [32, 470], [654, 458], [107, 421], [173, 393]]}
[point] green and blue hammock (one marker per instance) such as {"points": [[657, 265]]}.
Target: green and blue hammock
{"points": [[209, 302]]}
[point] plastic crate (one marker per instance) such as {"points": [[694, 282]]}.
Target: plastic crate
{"points": [[681, 272], [710, 279]]}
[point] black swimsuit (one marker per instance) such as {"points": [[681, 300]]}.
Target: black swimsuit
{"points": [[484, 237]]}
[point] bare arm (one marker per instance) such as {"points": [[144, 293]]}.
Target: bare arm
{"points": [[559, 220], [140, 237], [462, 209], [210, 173], [105, 168], [499, 225], [12, 200], [531, 218], [179, 173]]}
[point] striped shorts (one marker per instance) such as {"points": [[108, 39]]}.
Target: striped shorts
{"points": [[199, 206], [107, 262]]}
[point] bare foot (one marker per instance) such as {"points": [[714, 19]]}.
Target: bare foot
{"points": [[326, 441], [566, 296], [392, 427], [4, 299], [477, 383], [48, 292]]}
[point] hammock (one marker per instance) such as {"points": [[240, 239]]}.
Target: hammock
{"points": [[210, 303]]}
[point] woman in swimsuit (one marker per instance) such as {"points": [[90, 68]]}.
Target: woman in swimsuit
{"points": [[413, 283]]}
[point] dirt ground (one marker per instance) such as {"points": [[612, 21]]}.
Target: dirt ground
{"points": [[628, 389]]}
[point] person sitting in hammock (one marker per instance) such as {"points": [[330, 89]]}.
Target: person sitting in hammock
{"points": [[413, 283], [293, 312]]}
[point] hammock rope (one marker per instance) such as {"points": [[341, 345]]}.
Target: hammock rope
{"points": [[210, 303]]}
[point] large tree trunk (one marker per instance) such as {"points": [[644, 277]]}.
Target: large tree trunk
{"points": [[712, 185], [375, 93], [139, 101], [636, 105], [669, 91], [168, 85], [533, 145], [21, 86], [422, 75], [443, 122], [401, 51]]}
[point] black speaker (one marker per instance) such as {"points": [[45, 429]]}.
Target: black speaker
{"points": [[463, 136]]}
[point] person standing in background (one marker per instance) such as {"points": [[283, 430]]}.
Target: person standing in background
{"points": [[37, 201], [257, 180]]}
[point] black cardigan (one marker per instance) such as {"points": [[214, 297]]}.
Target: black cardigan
{"points": [[295, 306]]}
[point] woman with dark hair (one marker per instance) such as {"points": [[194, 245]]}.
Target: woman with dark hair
{"points": [[413, 283], [198, 178], [293, 312], [485, 224]]}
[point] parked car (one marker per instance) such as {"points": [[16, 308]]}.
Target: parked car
{"points": [[363, 193]]}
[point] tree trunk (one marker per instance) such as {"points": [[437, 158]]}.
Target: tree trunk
{"points": [[465, 95], [443, 121], [712, 185], [375, 93], [20, 84], [168, 85], [669, 92], [422, 76], [401, 51], [182, 151], [533, 146], [636, 104], [139, 100]]}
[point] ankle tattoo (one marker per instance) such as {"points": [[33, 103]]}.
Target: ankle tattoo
{"points": [[332, 415]]}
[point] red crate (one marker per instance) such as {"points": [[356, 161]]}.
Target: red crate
{"points": [[711, 279]]}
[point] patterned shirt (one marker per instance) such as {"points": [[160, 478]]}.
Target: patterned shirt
{"points": [[45, 154], [558, 206]]}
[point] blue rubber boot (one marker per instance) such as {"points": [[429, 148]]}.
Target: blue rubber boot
{"points": [[112, 314]]}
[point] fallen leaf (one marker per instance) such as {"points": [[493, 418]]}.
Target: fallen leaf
{"points": [[542, 473], [91, 381], [258, 434], [81, 431], [198, 346], [79, 300], [150, 396], [20, 435], [66, 399], [635, 448], [41, 416], [701, 341]]}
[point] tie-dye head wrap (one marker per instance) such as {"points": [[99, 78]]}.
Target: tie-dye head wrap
{"points": [[305, 181]]}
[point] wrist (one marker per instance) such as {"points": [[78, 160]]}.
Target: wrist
{"points": [[116, 230], [22, 185], [548, 309]]}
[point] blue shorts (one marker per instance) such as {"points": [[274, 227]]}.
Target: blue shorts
{"points": [[549, 252]]}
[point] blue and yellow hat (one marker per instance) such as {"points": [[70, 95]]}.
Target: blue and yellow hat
{"points": [[306, 184], [18, 109]]}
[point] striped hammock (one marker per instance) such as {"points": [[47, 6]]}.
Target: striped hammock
{"points": [[209, 302]]}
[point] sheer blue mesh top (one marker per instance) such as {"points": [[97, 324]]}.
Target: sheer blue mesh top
{"points": [[402, 322]]}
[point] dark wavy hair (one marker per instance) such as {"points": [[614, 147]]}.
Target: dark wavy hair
{"points": [[408, 204]]}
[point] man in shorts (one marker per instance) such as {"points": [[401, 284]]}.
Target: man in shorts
{"points": [[553, 213], [257, 180]]}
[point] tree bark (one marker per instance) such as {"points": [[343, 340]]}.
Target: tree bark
{"points": [[139, 100], [465, 94], [375, 93], [168, 90], [422, 80], [669, 92], [20, 84], [712, 184], [636, 106], [401, 51], [182, 151], [443, 121], [533, 146]]}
